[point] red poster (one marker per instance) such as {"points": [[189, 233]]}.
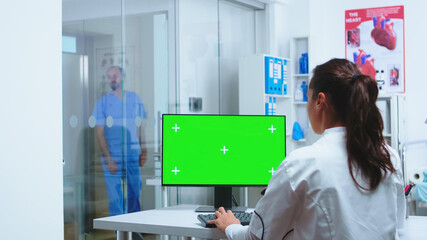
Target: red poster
{"points": [[375, 42]]}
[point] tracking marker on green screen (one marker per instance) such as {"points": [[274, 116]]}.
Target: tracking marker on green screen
{"points": [[272, 129], [176, 171], [224, 150], [176, 127]]}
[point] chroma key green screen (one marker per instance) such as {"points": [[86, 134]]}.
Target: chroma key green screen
{"points": [[220, 150]]}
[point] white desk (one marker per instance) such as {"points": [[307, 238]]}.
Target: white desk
{"points": [[182, 221], [178, 220]]}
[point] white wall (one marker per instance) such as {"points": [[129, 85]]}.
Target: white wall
{"points": [[76, 10], [281, 21], [31, 123], [327, 41]]}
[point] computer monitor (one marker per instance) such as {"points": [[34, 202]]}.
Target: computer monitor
{"points": [[221, 151]]}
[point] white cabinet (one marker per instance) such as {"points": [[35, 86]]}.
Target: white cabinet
{"points": [[253, 96], [252, 89], [393, 113]]}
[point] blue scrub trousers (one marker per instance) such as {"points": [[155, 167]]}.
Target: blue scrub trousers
{"points": [[130, 177]]}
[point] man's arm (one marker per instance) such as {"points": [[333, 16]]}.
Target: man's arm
{"points": [[111, 165], [143, 156]]}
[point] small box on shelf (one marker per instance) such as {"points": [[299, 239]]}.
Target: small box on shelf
{"points": [[275, 75]]}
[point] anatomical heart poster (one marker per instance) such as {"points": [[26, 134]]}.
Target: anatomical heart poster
{"points": [[375, 41]]}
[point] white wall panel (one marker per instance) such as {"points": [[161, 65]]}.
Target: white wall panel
{"points": [[31, 126]]}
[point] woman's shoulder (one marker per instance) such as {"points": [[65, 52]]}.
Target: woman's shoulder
{"points": [[302, 160], [393, 153], [322, 148], [394, 158], [315, 162], [303, 152]]}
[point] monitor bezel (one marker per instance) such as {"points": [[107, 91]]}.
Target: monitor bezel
{"points": [[216, 185]]}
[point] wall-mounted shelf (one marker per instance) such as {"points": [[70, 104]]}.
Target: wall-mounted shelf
{"points": [[278, 96], [305, 75], [252, 96], [301, 103], [298, 46], [252, 91], [392, 111]]}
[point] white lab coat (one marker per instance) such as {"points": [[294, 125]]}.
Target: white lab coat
{"points": [[313, 193]]}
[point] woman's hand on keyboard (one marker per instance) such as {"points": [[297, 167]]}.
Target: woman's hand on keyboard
{"points": [[224, 219]]}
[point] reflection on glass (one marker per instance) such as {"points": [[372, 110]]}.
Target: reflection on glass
{"points": [[92, 121], [137, 42], [199, 76], [74, 121], [109, 121], [122, 151], [69, 44], [138, 121]]}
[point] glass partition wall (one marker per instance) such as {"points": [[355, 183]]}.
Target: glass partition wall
{"points": [[118, 75], [125, 62]]}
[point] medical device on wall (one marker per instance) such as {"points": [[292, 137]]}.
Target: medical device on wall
{"points": [[221, 151]]}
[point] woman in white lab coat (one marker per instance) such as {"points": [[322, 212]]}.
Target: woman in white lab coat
{"points": [[347, 185]]}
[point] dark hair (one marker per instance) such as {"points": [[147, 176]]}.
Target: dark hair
{"points": [[122, 72], [353, 97]]}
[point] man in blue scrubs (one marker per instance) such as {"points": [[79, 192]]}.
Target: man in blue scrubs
{"points": [[119, 133]]}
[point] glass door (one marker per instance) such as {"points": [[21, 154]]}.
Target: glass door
{"points": [[213, 35], [118, 76]]}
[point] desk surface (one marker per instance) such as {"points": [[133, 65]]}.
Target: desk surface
{"points": [[182, 220], [178, 220]]}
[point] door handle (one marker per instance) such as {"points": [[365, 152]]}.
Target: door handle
{"points": [[156, 156]]}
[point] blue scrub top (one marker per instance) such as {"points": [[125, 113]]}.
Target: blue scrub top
{"points": [[122, 135]]}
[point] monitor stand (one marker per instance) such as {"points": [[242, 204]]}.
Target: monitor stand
{"points": [[223, 198]]}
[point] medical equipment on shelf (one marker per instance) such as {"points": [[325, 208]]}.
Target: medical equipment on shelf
{"points": [[420, 190], [415, 180], [408, 188], [297, 133]]}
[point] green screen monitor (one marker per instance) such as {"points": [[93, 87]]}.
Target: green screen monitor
{"points": [[221, 151]]}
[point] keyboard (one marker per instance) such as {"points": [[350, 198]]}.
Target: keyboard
{"points": [[244, 218]]}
